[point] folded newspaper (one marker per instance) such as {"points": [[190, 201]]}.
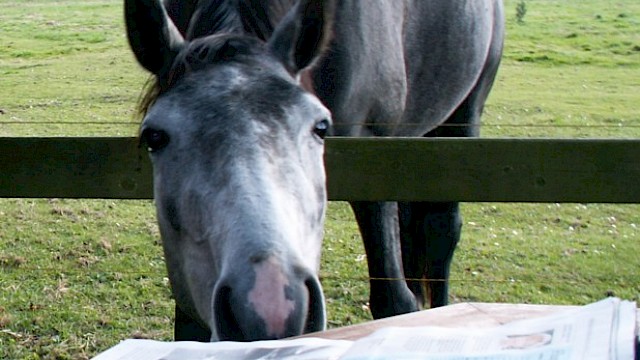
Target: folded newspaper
{"points": [[602, 330]]}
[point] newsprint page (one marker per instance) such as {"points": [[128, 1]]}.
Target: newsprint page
{"points": [[602, 330]]}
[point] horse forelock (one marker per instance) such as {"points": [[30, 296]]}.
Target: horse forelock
{"points": [[218, 30], [198, 55]]}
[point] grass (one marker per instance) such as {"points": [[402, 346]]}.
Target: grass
{"points": [[569, 70], [77, 276], [66, 70]]}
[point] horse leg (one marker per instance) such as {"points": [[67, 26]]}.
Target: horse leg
{"points": [[429, 233], [378, 222], [187, 329], [414, 252]]}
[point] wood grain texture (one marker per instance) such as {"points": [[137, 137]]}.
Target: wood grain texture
{"points": [[74, 168], [468, 170], [493, 170]]}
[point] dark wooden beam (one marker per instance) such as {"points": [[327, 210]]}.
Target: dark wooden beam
{"points": [[74, 168], [470, 170], [493, 170]]}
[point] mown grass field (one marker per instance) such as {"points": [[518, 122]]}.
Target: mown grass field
{"points": [[77, 276]]}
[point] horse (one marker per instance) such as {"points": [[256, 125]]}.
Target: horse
{"points": [[241, 97]]}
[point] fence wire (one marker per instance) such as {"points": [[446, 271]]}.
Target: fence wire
{"points": [[621, 124]]}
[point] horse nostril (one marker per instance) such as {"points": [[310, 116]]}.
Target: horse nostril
{"points": [[226, 324], [316, 314]]}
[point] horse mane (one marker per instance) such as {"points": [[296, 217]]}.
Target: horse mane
{"points": [[198, 19]]}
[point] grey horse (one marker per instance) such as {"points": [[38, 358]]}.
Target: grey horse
{"points": [[242, 96]]}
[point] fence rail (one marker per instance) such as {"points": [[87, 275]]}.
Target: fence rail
{"points": [[470, 170]]}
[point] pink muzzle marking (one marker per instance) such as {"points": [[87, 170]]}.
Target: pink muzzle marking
{"points": [[268, 296]]}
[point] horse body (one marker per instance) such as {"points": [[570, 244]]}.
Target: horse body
{"points": [[245, 92], [426, 72]]}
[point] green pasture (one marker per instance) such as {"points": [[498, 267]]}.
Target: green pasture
{"points": [[77, 276]]}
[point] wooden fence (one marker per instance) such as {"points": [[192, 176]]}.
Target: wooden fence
{"points": [[469, 170]]}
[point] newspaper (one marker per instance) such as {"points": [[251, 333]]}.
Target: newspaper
{"points": [[602, 330], [303, 349]]}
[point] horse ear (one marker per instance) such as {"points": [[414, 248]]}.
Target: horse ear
{"points": [[153, 37], [303, 34]]}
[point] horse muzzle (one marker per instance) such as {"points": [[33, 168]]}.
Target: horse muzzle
{"points": [[276, 302]]}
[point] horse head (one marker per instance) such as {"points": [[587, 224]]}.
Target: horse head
{"points": [[239, 184]]}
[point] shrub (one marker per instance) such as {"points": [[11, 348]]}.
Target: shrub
{"points": [[521, 11]]}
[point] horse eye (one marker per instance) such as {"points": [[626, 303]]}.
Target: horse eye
{"points": [[321, 128], [154, 139]]}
